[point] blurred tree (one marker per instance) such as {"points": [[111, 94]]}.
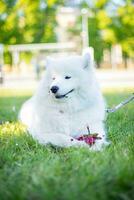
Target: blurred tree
{"points": [[27, 21], [111, 22], [121, 29], [123, 26]]}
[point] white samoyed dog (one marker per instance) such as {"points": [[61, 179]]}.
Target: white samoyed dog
{"points": [[67, 101]]}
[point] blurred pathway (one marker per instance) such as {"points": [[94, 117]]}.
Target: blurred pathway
{"points": [[116, 79], [107, 79]]}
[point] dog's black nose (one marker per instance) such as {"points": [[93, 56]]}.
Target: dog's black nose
{"points": [[54, 89]]}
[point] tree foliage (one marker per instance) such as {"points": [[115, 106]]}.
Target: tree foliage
{"points": [[123, 27], [27, 21], [33, 21], [111, 23]]}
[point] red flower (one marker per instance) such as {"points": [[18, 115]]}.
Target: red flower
{"points": [[89, 139]]}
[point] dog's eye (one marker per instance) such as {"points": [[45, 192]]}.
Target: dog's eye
{"points": [[67, 77]]}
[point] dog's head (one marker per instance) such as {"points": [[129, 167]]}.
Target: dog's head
{"points": [[67, 75]]}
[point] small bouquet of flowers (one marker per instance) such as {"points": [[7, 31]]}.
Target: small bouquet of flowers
{"points": [[89, 138]]}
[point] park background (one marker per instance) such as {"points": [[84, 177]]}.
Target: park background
{"points": [[31, 30]]}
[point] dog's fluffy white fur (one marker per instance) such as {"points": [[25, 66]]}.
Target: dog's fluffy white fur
{"points": [[58, 118]]}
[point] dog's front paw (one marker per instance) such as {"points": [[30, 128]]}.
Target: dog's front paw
{"points": [[83, 144], [79, 143], [99, 145]]}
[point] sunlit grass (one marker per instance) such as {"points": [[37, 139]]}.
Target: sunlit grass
{"points": [[31, 171]]}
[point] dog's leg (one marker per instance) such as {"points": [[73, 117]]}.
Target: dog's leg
{"points": [[60, 140], [98, 127]]}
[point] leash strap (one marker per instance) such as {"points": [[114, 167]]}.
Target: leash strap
{"points": [[123, 103]]}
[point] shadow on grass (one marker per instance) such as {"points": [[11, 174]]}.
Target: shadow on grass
{"points": [[10, 106]]}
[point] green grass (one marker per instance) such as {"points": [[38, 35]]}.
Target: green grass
{"points": [[33, 172]]}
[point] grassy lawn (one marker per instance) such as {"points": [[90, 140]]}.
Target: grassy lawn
{"points": [[33, 172]]}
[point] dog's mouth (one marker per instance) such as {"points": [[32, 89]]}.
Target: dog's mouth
{"points": [[64, 95]]}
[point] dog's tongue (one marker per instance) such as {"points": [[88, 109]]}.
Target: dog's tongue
{"points": [[89, 139]]}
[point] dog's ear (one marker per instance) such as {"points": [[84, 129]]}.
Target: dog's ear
{"points": [[87, 58]]}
